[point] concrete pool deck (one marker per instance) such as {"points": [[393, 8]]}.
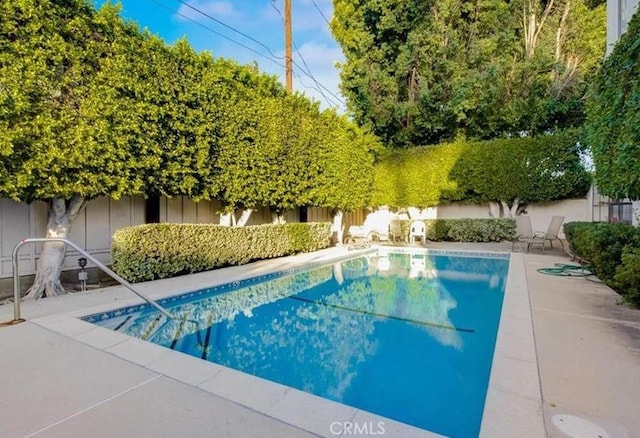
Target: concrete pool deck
{"points": [[60, 376]]}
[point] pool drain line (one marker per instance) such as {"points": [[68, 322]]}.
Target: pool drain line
{"points": [[381, 315]]}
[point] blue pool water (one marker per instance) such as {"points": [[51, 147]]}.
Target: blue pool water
{"points": [[406, 336]]}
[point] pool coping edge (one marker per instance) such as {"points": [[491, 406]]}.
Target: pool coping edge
{"points": [[503, 397]]}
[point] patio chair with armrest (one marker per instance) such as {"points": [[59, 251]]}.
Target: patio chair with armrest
{"points": [[553, 230], [528, 236], [525, 234]]}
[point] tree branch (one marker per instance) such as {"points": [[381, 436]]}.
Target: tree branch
{"points": [[75, 205], [545, 15]]}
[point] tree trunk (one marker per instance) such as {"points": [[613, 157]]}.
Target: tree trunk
{"points": [[414, 213], [532, 27], [244, 217], [60, 215], [336, 227], [513, 211], [225, 219], [507, 211], [277, 217], [494, 210]]}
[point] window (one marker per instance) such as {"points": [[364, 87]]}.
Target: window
{"points": [[620, 211]]}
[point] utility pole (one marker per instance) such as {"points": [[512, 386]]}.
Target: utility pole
{"points": [[287, 44]]}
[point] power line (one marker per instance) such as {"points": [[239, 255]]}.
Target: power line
{"points": [[216, 32], [311, 76], [320, 10], [330, 102], [270, 58], [308, 70], [230, 28]]}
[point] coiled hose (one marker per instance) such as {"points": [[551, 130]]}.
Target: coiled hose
{"points": [[568, 270]]}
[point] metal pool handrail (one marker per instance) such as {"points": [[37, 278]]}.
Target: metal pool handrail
{"points": [[122, 281]]}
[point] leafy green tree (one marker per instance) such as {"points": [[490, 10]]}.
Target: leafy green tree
{"points": [[424, 72], [269, 160], [87, 109], [613, 118], [228, 96], [506, 173], [519, 171], [343, 160], [91, 106]]}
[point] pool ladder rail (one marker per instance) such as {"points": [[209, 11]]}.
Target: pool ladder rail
{"points": [[16, 277]]}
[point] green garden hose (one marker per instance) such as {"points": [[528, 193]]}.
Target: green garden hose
{"points": [[564, 270]]}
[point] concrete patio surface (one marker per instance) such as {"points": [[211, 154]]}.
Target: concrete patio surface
{"points": [[63, 377]]}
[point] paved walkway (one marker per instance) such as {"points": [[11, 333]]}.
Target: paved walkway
{"points": [[51, 385]]}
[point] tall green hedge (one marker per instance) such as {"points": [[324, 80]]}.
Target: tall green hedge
{"points": [[613, 118], [614, 252], [538, 169], [466, 230], [148, 252]]}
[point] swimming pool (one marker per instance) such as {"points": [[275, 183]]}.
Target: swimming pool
{"points": [[409, 336]]}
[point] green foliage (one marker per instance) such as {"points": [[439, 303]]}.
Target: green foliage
{"points": [[52, 67], [465, 230], [416, 176], [613, 118], [92, 106], [573, 232], [539, 169], [422, 73], [152, 251], [627, 277], [345, 159], [536, 169], [481, 230], [613, 251], [291, 154]]}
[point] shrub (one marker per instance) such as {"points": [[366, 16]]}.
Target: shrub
{"points": [[627, 277], [439, 229], [152, 251], [613, 250], [575, 233], [466, 230], [481, 230], [602, 244]]}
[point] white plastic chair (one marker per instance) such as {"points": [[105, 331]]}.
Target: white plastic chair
{"points": [[419, 230]]}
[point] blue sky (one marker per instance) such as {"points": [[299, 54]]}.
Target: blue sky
{"points": [[261, 20]]}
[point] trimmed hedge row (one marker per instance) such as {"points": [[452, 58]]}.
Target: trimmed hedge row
{"points": [[538, 169], [466, 230], [152, 251], [614, 252]]}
